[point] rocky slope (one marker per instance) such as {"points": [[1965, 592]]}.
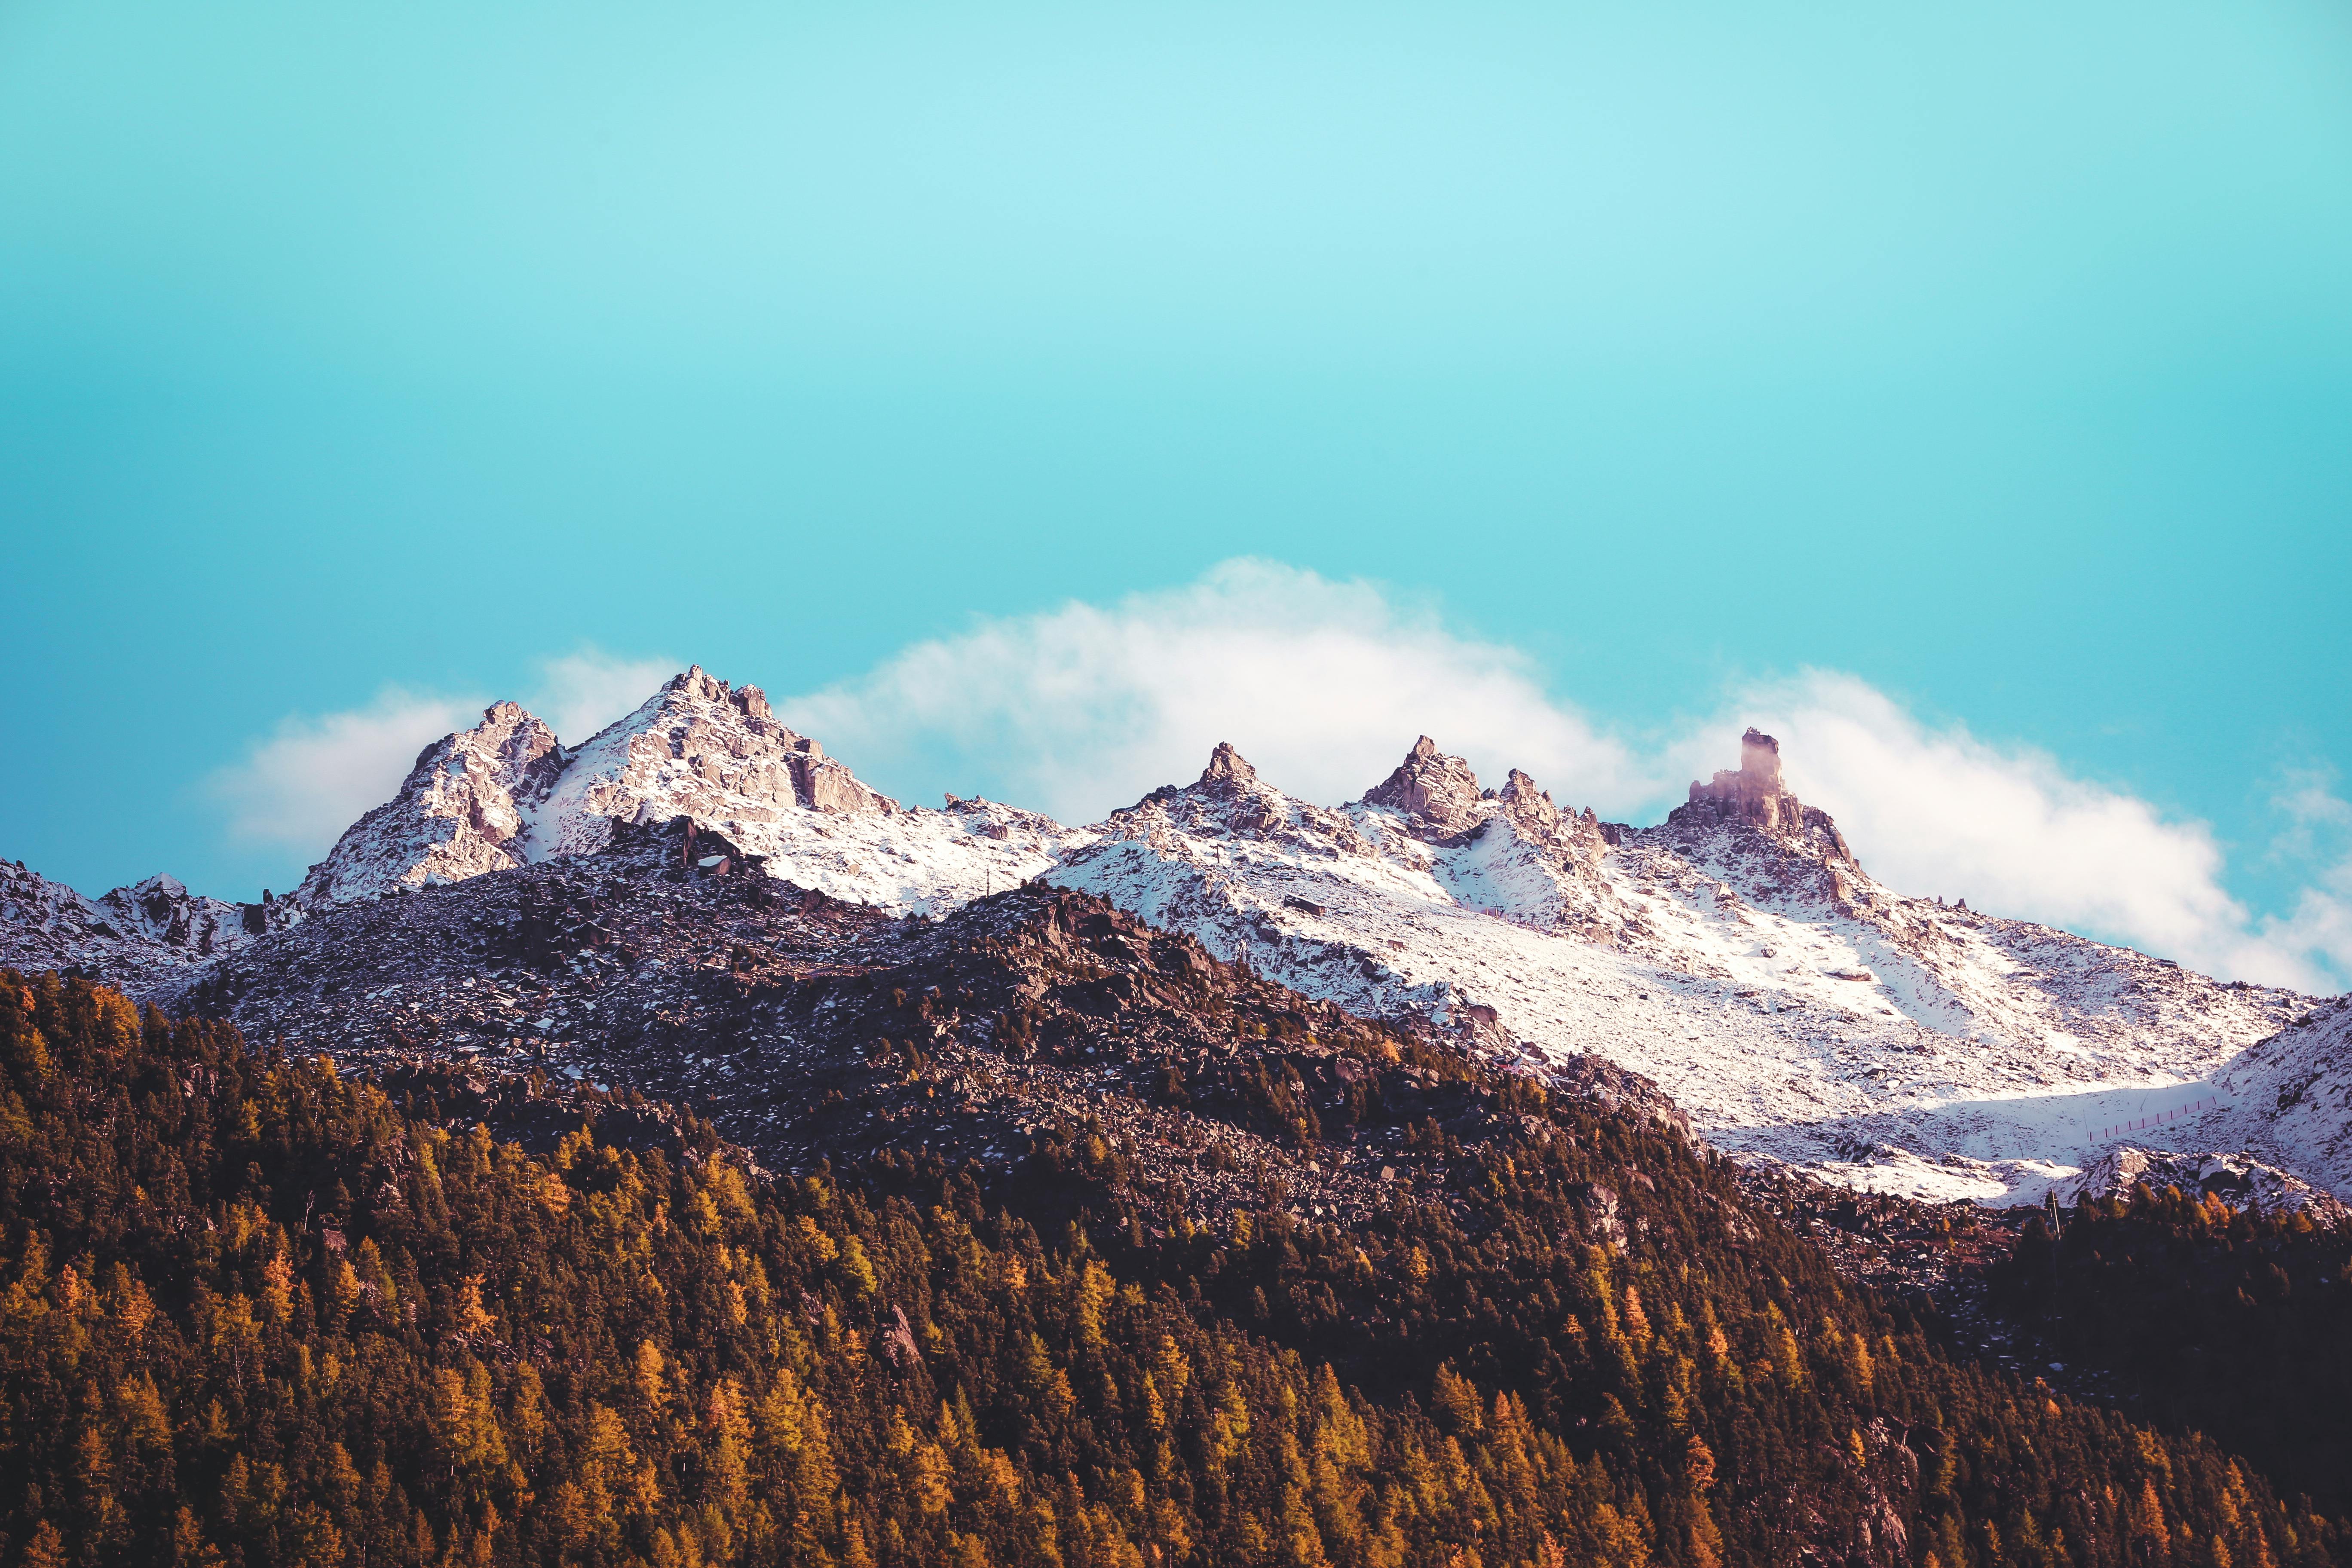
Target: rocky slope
{"points": [[2287, 1099], [463, 809], [811, 1030]]}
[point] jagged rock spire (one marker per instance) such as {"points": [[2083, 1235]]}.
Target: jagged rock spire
{"points": [[1529, 807], [1228, 769], [1440, 790], [1754, 795], [699, 685]]}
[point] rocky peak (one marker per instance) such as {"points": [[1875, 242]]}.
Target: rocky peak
{"points": [[1228, 773], [1229, 800], [131, 937], [1437, 794], [701, 749], [698, 685], [463, 809], [1230, 795], [160, 909], [1754, 795], [505, 794], [1529, 807]]}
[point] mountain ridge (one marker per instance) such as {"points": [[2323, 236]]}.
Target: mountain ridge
{"points": [[1737, 953]]}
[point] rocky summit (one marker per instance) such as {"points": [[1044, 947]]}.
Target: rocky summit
{"points": [[464, 809], [1753, 794], [137, 937]]}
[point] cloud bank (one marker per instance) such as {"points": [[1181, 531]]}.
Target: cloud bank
{"points": [[1324, 684], [2319, 832], [581, 692], [313, 777]]}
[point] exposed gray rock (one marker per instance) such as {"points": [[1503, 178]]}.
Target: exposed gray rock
{"points": [[134, 937], [2241, 1179], [697, 748], [507, 793]]}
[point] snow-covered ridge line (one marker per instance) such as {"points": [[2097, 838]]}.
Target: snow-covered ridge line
{"points": [[505, 794], [134, 937], [1739, 953]]}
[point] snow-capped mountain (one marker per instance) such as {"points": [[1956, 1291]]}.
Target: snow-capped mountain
{"points": [[2288, 1099], [1739, 953], [136, 937], [506, 793]]}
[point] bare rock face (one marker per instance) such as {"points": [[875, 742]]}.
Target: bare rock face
{"points": [[1529, 807], [1438, 794], [464, 809], [1754, 795], [1531, 811], [161, 910], [1228, 775], [1229, 802]]}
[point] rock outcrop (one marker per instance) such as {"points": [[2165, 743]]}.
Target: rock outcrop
{"points": [[1579, 834], [1755, 795], [1437, 795], [2241, 1179], [1511, 848], [2289, 1097], [701, 749], [507, 793]]}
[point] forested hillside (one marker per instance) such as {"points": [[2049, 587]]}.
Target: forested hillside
{"points": [[2227, 1319], [253, 1311]]}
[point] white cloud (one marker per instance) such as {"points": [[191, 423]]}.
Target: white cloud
{"points": [[313, 777], [1322, 685], [316, 775], [2320, 830]]}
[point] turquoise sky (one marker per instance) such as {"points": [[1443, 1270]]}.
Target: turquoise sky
{"points": [[2000, 355]]}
